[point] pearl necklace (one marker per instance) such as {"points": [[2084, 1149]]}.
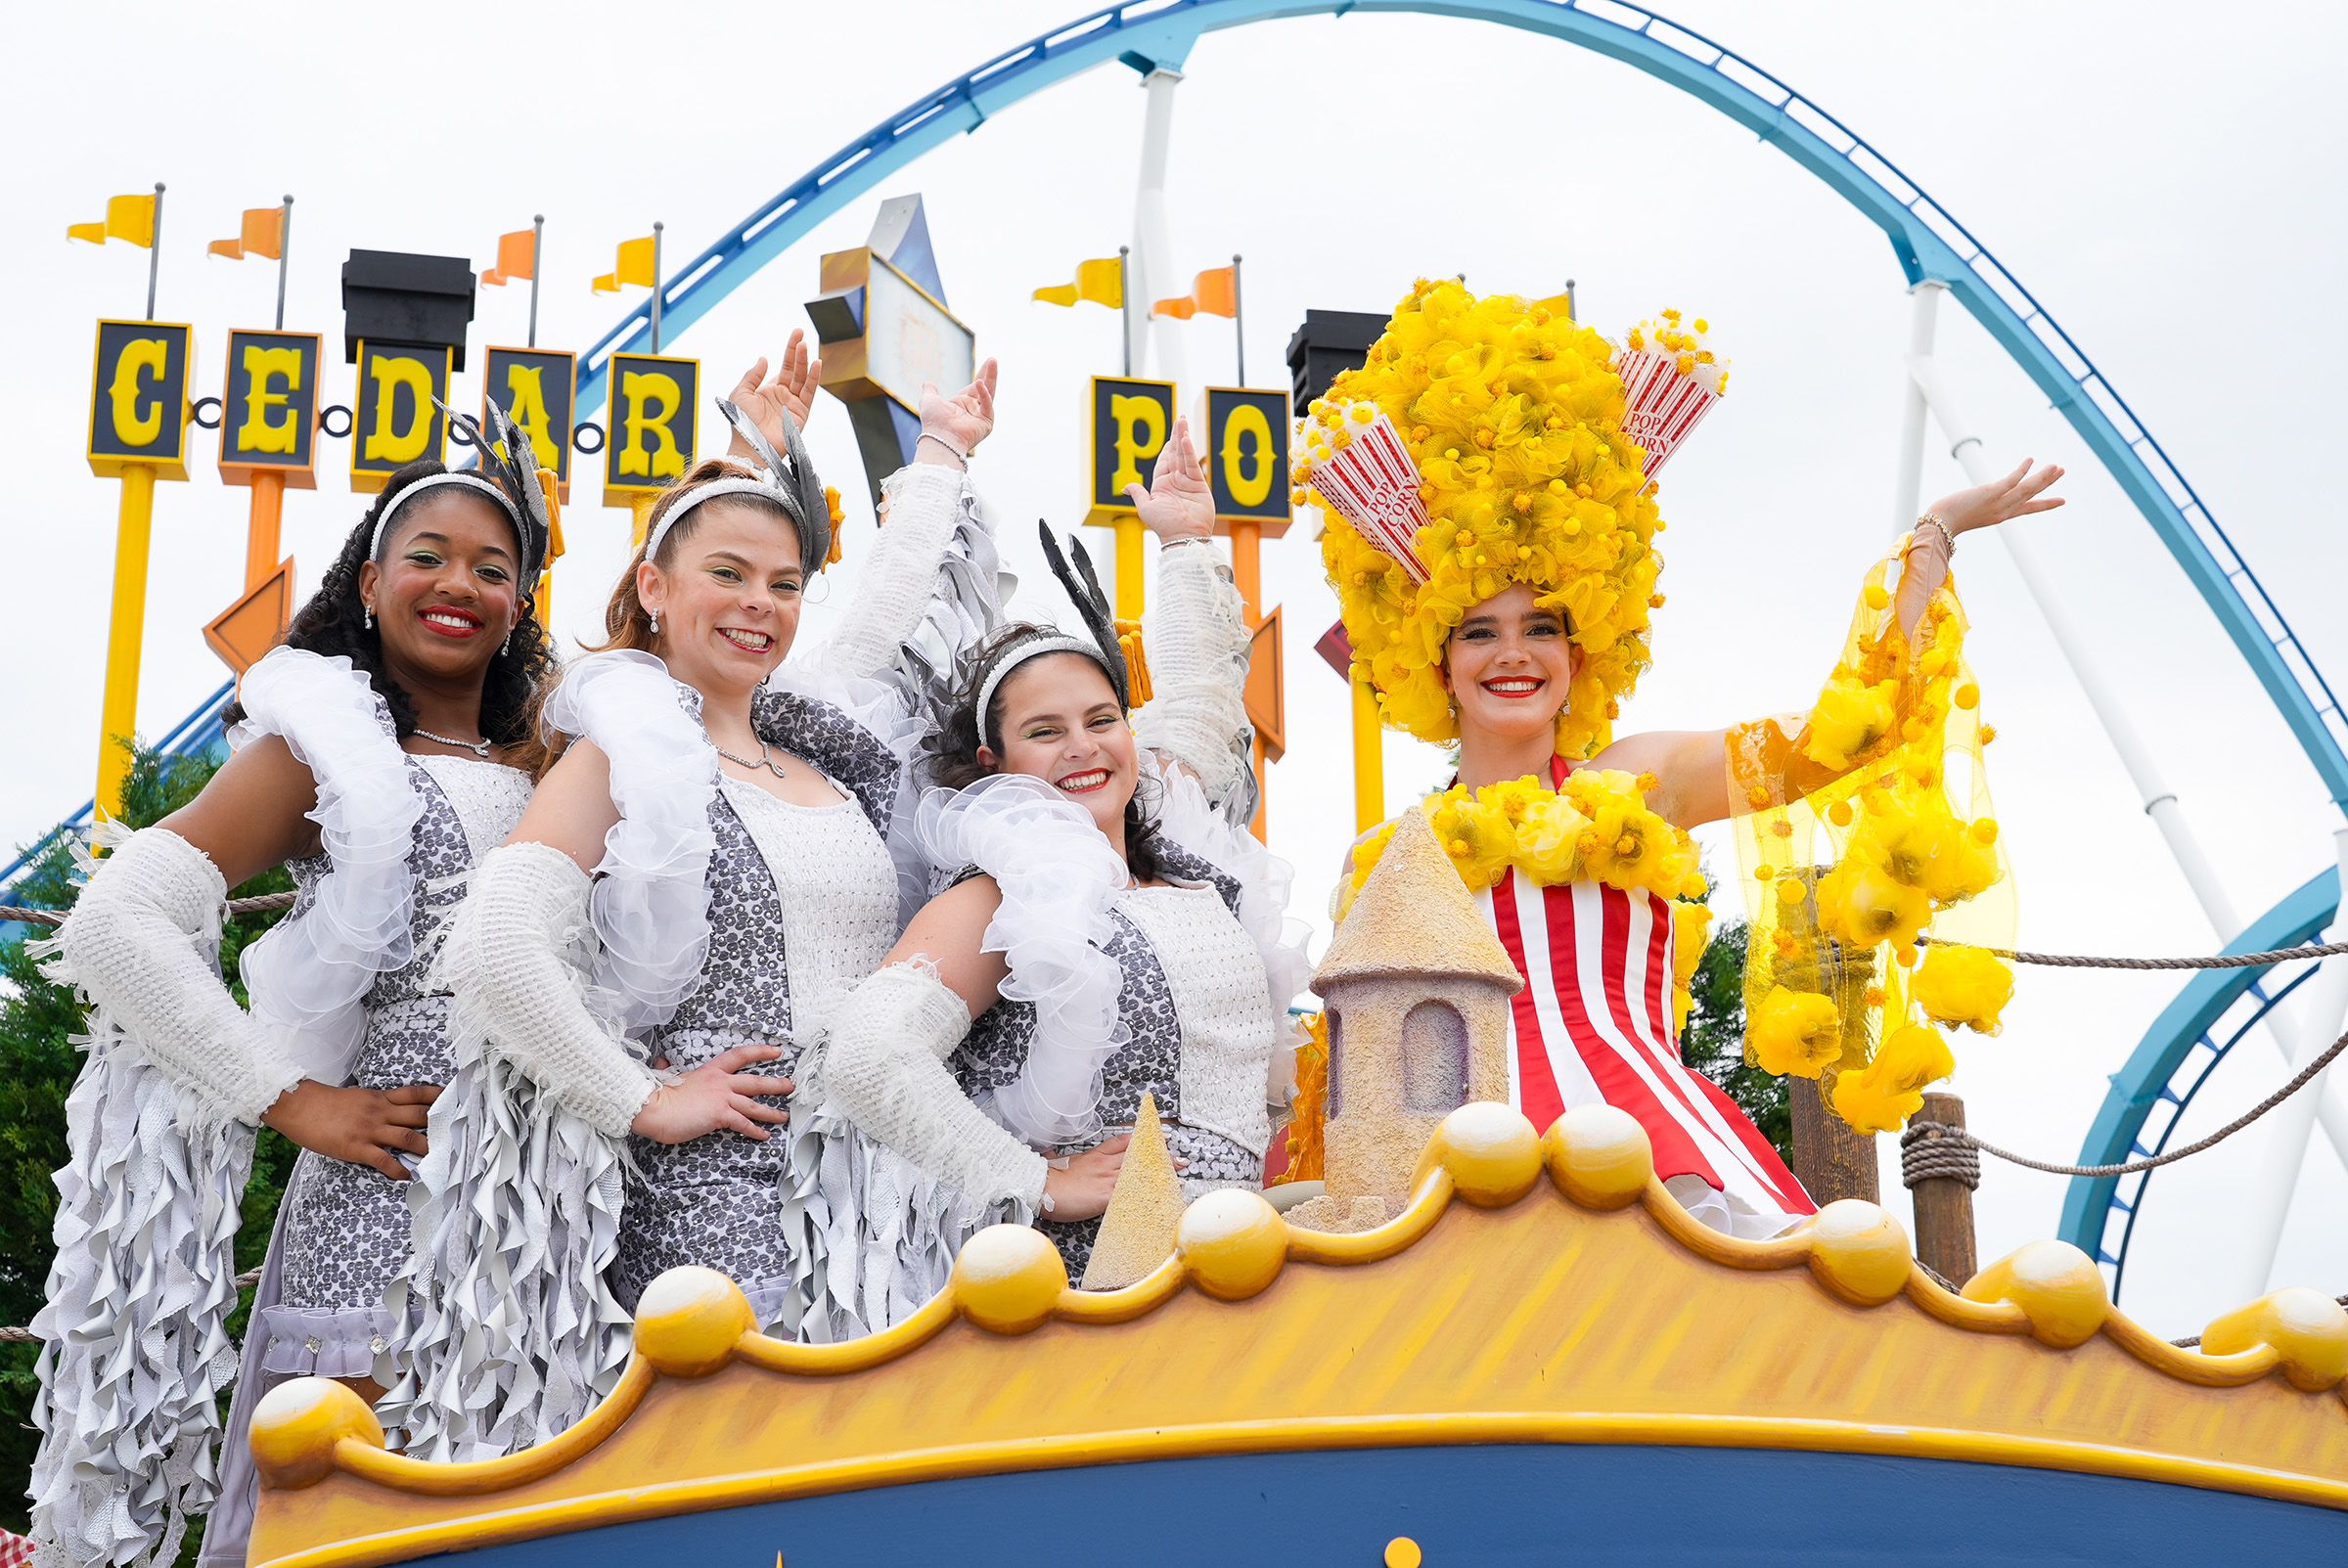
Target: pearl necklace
{"points": [[480, 748], [761, 760]]}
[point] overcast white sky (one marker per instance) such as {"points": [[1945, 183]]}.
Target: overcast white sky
{"points": [[2157, 182]]}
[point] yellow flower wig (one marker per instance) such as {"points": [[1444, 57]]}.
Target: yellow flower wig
{"points": [[1513, 417]]}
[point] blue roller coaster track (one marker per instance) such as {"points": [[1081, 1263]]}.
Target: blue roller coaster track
{"points": [[1931, 245]]}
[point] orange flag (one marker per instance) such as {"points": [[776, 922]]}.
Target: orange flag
{"points": [[1216, 292], [517, 257], [263, 234]]}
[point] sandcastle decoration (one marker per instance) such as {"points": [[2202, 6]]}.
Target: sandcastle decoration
{"points": [[1417, 989], [1145, 1209]]}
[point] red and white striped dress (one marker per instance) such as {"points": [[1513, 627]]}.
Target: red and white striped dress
{"points": [[1594, 1023]]}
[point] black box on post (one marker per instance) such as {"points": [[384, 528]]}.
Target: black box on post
{"points": [[1329, 343], [389, 296]]}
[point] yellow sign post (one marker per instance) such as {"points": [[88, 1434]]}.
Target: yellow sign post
{"points": [[1128, 422], [1247, 442], [138, 434], [656, 423]]}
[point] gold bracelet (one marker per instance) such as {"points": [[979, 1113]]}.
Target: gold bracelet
{"points": [[1948, 539]]}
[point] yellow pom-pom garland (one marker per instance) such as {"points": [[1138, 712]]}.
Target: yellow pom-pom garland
{"points": [[1596, 827]]}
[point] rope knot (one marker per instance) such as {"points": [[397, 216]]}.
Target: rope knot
{"points": [[1936, 1151]]}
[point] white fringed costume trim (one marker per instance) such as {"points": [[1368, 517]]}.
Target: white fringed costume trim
{"points": [[135, 1337], [510, 1333]]}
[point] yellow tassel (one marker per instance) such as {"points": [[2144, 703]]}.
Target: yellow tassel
{"points": [[1137, 666]]}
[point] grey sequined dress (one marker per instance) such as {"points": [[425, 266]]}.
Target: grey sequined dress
{"points": [[344, 1230], [802, 905], [1170, 944]]}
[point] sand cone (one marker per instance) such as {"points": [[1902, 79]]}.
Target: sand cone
{"points": [[1144, 1208]]}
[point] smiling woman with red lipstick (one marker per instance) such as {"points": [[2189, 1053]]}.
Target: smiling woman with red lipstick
{"points": [[372, 754], [1508, 612], [1115, 932], [698, 880]]}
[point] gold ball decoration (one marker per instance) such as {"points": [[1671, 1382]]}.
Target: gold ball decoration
{"points": [[1859, 1252], [2305, 1327], [1233, 1243], [1599, 1155], [1491, 1151], [1009, 1277], [2057, 1285], [296, 1424], [690, 1319]]}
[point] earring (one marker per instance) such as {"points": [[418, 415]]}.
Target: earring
{"points": [[656, 623], [508, 646], [370, 620]]}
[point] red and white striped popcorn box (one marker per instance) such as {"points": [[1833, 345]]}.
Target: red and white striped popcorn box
{"points": [[1372, 484], [1662, 406]]}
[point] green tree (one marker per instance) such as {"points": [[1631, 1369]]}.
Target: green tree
{"points": [[1713, 1042], [38, 1064]]}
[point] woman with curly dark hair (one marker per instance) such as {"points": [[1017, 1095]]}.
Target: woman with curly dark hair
{"points": [[378, 753], [1116, 933]]}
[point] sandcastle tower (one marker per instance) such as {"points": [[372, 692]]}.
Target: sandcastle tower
{"points": [[1416, 988]]}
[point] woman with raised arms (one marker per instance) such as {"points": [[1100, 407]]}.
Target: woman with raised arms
{"points": [[1113, 933], [1512, 620], [699, 879]]}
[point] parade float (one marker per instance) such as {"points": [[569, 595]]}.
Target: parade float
{"points": [[1539, 1357], [1471, 1343]]}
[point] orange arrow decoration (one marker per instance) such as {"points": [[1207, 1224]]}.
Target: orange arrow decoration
{"points": [[252, 626], [1266, 694]]}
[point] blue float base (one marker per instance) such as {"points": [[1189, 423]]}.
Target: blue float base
{"points": [[1481, 1507]]}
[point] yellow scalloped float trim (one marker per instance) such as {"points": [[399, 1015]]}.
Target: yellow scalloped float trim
{"points": [[315, 1437]]}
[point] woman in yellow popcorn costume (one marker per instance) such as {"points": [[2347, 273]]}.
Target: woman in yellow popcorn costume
{"points": [[1530, 627]]}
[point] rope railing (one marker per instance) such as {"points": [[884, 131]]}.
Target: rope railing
{"points": [[2215, 961], [28, 915]]}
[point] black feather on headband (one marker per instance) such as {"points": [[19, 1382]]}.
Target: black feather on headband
{"points": [[1083, 586], [792, 471]]}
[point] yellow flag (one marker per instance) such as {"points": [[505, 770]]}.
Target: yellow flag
{"points": [[262, 233], [1103, 281], [635, 267], [127, 217]]}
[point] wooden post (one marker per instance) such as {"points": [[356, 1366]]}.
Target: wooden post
{"points": [[1944, 1205], [1830, 1159]]}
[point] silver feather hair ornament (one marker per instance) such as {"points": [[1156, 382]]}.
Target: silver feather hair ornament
{"points": [[793, 473], [508, 461]]}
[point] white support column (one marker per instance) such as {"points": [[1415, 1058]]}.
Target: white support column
{"points": [[1154, 265], [1928, 391], [2285, 1132]]}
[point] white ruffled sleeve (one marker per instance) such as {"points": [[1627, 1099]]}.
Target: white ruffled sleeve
{"points": [[1185, 817], [309, 975], [933, 566], [1057, 874], [652, 893], [1196, 635]]}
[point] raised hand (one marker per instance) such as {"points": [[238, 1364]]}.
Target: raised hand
{"points": [[718, 1096], [961, 422], [765, 399], [371, 1126], [1985, 506], [1178, 505]]}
